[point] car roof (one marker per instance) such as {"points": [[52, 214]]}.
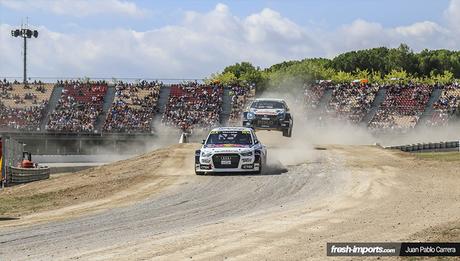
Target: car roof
{"points": [[232, 129]]}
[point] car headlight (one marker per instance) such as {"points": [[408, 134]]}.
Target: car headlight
{"points": [[206, 154], [281, 115], [206, 161], [247, 154], [251, 116]]}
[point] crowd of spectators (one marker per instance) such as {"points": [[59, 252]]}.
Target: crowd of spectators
{"points": [[351, 101], [446, 107], [24, 119], [241, 97], [79, 106], [133, 107], [6, 88], [402, 107], [314, 92], [23, 106], [24, 94], [193, 106]]}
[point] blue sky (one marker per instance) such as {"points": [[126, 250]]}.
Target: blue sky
{"points": [[327, 14], [104, 38]]}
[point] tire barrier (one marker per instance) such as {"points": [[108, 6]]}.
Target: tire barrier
{"points": [[427, 147], [23, 175]]}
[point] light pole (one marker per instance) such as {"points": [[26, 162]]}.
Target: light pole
{"points": [[24, 33]]}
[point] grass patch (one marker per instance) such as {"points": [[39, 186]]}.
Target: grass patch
{"points": [[439, 156], [29, 203], [16, 205]]}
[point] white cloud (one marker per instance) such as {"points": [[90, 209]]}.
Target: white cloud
{"points": [[203, 43], [421, 29], [357, 35], [260, 26], [453, 14], [77, 7]]}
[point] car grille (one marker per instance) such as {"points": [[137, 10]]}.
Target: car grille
{"points": [[233, 158]]}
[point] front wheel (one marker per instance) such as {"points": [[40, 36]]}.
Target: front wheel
{"points": [[259, 160], [199, 173], [287, 132]]}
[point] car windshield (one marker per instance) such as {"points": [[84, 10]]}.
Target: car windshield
{"points": [[267, 105], [230, 137]]}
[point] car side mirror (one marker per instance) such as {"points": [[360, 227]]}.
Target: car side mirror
{"points": [[203, 141]]}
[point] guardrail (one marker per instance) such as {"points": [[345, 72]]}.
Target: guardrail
{"points": [[428, 147]]}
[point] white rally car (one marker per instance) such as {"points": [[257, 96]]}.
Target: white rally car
{"points": [[230, 149]]}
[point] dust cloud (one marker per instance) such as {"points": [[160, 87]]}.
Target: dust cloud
{"points": [[333, 131], [309, 133]]}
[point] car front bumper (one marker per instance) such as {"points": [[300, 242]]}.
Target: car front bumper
{"points": [[245, 164], [272, 124]]}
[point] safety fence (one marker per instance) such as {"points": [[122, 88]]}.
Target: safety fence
{"points": [[11, 156]]}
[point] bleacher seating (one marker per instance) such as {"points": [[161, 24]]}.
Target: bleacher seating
{"points": [[193, 105], [313, 93], [23, 107], [351, 101], [241, 97], [446, 107], [133, 107], [78, 108], [402, 107]]}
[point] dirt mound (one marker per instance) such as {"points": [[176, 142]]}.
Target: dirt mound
{"points": [[101, 187]]}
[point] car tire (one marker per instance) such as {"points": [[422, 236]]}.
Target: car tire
{"points": [[290, 132], [286, 133], [199, 173], [261, 166]]}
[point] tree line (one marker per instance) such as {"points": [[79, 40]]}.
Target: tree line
{"points": [[378, 65]]}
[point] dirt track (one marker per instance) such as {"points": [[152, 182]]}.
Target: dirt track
{"points": [[344, 193]]}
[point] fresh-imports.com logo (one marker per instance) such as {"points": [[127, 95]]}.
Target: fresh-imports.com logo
{"points": [[361, 250]]}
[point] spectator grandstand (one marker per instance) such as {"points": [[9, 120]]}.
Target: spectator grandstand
{"points": [[78, 107], [192, 105], [402, 107], [23, 106], [133, 107], [313, 93], [351, 101], [241, 96], [198, 106], [446, 107]]}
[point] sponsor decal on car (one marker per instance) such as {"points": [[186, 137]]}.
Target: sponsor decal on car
{"points": [[227, 146]]}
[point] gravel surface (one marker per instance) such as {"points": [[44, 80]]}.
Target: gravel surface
{"points": [[195, 202], [343, 193]]}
